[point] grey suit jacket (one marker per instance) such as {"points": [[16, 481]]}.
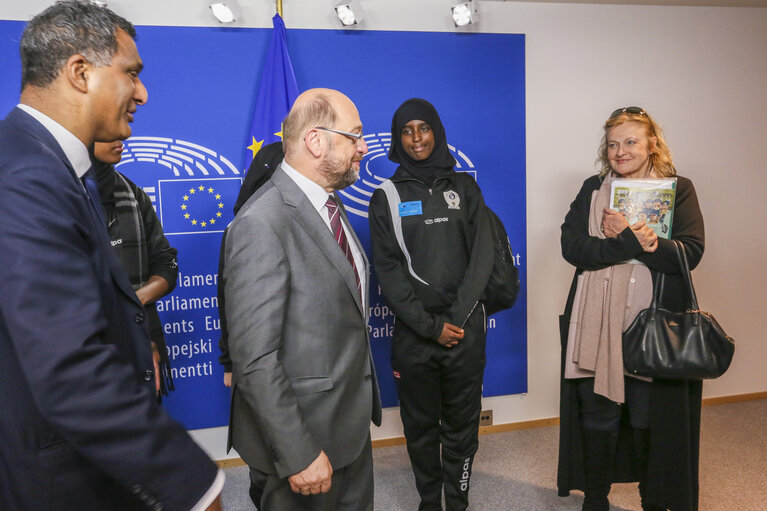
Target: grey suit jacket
{"points": [[303, 379]]}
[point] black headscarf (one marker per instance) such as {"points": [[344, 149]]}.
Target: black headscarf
{"points": [[261, 169], [440, 162]]}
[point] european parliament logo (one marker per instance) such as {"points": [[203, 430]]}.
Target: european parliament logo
{"points": [[194, 193], [372, 167]]}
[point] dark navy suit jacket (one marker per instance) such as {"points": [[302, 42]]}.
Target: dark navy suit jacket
{"points": [[79, 425]]}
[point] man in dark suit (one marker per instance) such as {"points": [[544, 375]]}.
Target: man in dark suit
{"points": [[80, 426], [296, 285]]}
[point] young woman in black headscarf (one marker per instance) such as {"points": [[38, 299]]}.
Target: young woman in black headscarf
{"points": [[431, 253]]}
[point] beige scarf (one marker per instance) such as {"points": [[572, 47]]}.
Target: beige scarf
{"points": [[606, 302]]}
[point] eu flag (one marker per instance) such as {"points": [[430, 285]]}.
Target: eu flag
{"points": [[191, 206], [276, 94]]}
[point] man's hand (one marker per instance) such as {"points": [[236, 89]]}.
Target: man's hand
{"points": [[156, 361], [216, 506], [228, 379], [314, 479], [450, 335], [154, 289]]}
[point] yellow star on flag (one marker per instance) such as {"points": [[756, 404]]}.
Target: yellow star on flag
{"points": [[255, 147], [202, 188], [210, 190], [203, 223], [212, 221], [218, 196], [194, 222], [186, 215], [186, 197], [218, 214], [191, 190], [183, 206], [279, 134]]}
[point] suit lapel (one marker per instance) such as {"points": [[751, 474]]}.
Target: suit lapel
{"points": [[30, 125], [315, 227]]}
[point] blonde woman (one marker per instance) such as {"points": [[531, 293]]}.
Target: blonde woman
{"points": [[616, 428]]}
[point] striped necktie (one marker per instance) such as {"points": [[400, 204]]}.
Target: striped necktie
{"points": [[334, 212]]}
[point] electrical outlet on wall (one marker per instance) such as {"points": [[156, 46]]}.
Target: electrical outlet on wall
{"points": [[486, 418]]}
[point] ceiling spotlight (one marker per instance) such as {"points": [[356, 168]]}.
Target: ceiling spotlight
{"points": [[350, 13], [464, 13], [226, 12]]}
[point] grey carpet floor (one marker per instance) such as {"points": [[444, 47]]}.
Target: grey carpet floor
{"points": [[517, 470]]}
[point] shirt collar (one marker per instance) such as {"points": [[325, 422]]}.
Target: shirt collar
{"points": [[73, 148], [314, 192]]}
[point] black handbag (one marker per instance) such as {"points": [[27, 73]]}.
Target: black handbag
{"points": [[689, 345]]}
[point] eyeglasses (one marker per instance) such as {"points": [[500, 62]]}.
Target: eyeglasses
{"points": [[628, 110], [356, 136]]}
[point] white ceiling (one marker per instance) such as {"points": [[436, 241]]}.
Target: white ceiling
{"points": [[712, 3]]}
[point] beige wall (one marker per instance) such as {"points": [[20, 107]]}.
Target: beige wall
{"points": [[701, 71]]}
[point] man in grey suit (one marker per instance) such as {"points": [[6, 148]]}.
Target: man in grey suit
{"points": [[296, 284]]}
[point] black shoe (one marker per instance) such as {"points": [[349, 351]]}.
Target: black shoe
{"points": [[597, 463]]}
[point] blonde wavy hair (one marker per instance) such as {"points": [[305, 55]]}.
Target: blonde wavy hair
{"points": [[660, 155]]}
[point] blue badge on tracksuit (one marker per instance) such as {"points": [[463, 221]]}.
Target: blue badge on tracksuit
{"points": [[410, 208]]}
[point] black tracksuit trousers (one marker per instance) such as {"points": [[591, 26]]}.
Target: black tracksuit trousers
{"points": [[440, 395]]}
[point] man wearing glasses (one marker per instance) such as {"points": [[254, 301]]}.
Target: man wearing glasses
{"points": [[296, 284]]}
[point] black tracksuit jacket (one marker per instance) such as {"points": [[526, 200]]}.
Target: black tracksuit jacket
{"points": [[450, 248]]}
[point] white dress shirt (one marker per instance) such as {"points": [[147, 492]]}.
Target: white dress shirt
{"points": [[73, 148], [318, 197]]}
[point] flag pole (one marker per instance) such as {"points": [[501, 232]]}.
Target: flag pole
{"points": [[279, 8], [276, 93]]}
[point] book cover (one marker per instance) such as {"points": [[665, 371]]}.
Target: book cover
{"points": [[648, 200]]}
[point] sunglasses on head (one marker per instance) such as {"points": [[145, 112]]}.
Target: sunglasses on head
{"points": [[628, 110]]}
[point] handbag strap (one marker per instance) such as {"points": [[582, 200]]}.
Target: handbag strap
{"points": [[685, 267], [660, 281], [657, 293]]}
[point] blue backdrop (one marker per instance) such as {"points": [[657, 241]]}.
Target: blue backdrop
{"points": [[188, 153]]}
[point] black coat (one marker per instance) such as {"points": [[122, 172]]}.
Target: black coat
{"points": [[674, 405]]}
